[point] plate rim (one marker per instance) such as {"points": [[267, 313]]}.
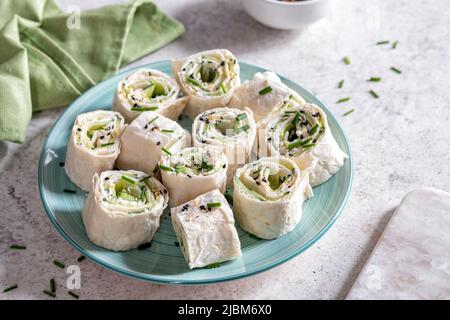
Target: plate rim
{"points": [[167, 281]]}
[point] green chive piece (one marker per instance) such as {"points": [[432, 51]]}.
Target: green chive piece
{"points": [[153, 120], [374, 79], [167, 131], [379, 43], [348, 112], [180, 169], [340, 84], [52, 285], [166, 151], [193, 81], [140, 109], [59, 264], [17, 247], [213, 266], [343, 100], [374, 94], [69, 191], [241, 117], [73, 295], [11, 288], [396, 70], [222, 87], [163, 167], [394, 45], [299, 143], [106, 145], [81, 258], [128, 179], [346, 60], [296, 118], [314, 129], [266, 90], [145, 179], [244, 128], [213, 204], [51, 294]]}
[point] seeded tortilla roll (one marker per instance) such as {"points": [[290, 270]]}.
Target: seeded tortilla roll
{"points": [[148, 90], [148, 137], [262, 94], [208, 78], [192, 172], [123, 209], [301, 132], [230, 129], [268, 196], [93, 145], [205, 230]]}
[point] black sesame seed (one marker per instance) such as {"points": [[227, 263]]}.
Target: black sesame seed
{"points": [[165, 191], [258, 183], [158, 143], [61, 164], [224, 166]]}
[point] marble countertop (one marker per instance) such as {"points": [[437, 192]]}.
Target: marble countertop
{"points": [[399, 142]]}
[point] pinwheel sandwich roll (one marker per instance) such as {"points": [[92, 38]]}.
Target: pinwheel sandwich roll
{"points": [[192, 172], [148, 137], [262, 94], [208, 78], [301, 132], [268, 196], [148, 90], [205, 230], [123, 209], [93, 145], [231, 130]]}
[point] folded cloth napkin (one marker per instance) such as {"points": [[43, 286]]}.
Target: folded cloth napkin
{"points": [[48, 57]]}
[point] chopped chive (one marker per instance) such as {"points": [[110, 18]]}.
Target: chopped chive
{"points": [[51, 294], [314, 129], [343, 100], [11, 288], [266, 90], [166, 151], [128, 179], [17, 247], [163, 167], [374, 94], [394, 45], [213, 204], [346, 60], [73, 294], [374, 79], [396, 70], [298, 143], [167, 131], [193, 81], [69, 191], [145, 179], [379, 43], [213, 266], [348, 112], [296, 118], [59, 264], [153, 120], [180, 169], [241, 117], [244, 128], [106, 145], [223, 88], [140, 109], [144, 246], [340, 84], [81, 258], [52, 285]]}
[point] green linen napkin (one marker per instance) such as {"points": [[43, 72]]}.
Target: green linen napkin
{"points": [[45, 64]]}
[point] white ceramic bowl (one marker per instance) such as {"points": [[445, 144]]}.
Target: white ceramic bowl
{"points": [[287, 15]]}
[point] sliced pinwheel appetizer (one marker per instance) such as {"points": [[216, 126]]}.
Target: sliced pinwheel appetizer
{"points": [[232, 130], [148, 137], [192, 172], [123, 209], [301, 132], [148, 90], [205, 230], [262, 94], [268, 196], [208, 78], [93, 145]]}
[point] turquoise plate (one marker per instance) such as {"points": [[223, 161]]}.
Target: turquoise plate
{"points": [[163, 262]]}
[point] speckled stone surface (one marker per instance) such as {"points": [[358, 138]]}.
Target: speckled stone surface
{"points": [[399, 141]]}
